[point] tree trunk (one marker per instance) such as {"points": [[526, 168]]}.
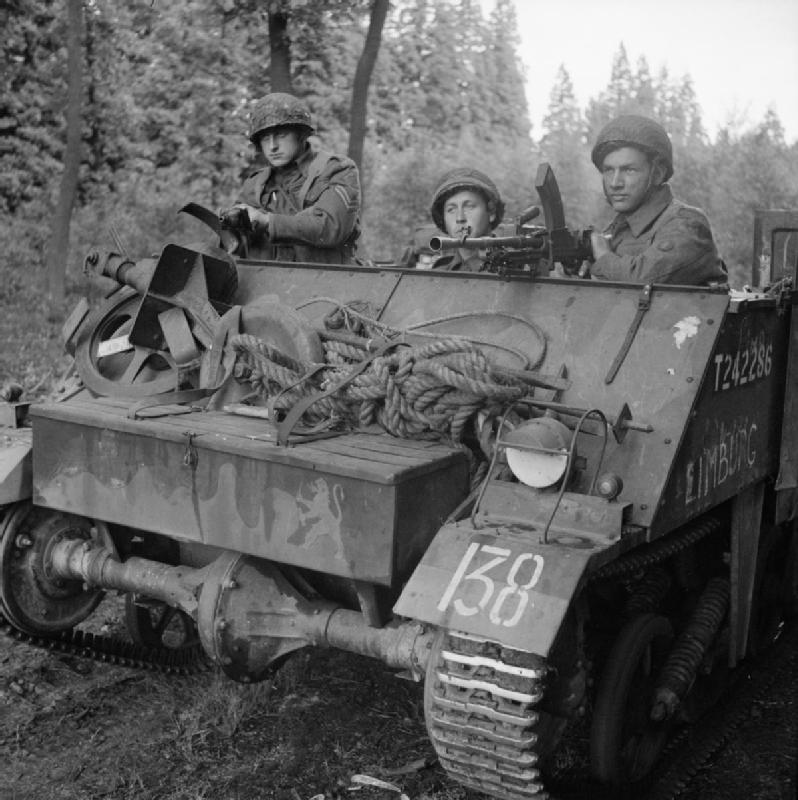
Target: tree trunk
{"points": [[280, 51], [58, 248], [360, 87]]}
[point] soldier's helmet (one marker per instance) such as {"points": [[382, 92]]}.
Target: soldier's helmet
{"points": [[465, 178], [634, 130], [278, 108]]}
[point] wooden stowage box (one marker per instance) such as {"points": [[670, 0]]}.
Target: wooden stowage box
{"points": [[359, 505]]}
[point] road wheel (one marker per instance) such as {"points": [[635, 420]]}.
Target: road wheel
{"points": [[625, 742], [155, 624], [31, 597]]}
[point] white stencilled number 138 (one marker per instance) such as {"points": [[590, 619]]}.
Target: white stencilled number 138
{"points": [[510, 589]]}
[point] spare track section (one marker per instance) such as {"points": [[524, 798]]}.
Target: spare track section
{"points": [[480, 705]]}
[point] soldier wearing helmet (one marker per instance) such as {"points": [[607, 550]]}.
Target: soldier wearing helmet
{"points": [[304, 204], [654, 237], [465, 202]]}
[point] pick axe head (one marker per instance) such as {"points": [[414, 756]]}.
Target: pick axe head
{"points": [[198, 283]]}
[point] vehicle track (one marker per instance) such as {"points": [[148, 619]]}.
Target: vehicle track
{"points": [[112, 650], [752, 682], [687, 760], [690, 755]]}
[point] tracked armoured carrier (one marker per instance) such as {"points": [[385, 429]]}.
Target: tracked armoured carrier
{"points": [[555, 501]]}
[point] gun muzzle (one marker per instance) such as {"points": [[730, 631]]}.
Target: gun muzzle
{"points": [[439, 243]]}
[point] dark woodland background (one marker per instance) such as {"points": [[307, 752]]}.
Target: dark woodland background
{"points": [[118, 113]]}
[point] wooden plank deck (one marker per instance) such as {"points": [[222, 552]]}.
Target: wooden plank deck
{"points": [[377, 457]]}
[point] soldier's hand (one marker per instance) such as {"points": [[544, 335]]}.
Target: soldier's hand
{"points": [[246, 219], [260, 221], [237, 217]]}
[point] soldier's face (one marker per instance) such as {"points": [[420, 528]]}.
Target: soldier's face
{"points": [[466, 213], [281, 145], [628, 177]]}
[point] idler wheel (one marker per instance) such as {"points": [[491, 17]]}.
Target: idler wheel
{"points": [[625, 743], [30, 597], [155, 624], [109, 365]]}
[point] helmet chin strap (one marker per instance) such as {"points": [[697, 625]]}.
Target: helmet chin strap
{"points": [[651, 187]]}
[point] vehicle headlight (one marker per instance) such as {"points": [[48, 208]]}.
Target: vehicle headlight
{"points": [[537, 451]]}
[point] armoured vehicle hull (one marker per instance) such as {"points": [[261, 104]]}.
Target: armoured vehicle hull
{"points": [[592, 526]]}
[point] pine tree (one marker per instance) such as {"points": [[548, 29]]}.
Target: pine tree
{"points": [[620, 92], [563, 147], [506, 87], [403, 74], [617, 98], [643, 89]]}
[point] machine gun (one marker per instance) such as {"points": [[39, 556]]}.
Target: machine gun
{"points": [[534, 248]]}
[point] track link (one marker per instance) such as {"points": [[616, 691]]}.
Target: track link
{"points": [[480, 705], [111, 650], [750, 683], [15, 519]]}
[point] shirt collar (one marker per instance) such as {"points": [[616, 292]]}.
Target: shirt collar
{"points": [[641, 218], [300, 163]]}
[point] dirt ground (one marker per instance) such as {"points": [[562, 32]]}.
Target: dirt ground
{"points": [[72, 728], [760, 759], [326, 727]]}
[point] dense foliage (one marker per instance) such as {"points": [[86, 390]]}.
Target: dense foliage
{"points": [[166, 87]]}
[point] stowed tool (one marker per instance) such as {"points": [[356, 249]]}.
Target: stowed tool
{"points": [[186, 295], [150, 335]]}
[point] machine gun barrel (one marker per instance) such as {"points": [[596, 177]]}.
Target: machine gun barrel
{"points": [[523, 241], [532, 248]]}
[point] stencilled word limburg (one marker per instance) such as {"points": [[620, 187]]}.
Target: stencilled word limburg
{"points": [[730, 451]]}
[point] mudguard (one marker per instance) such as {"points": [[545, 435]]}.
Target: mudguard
{"points": [[497, 582], [15, 465]]}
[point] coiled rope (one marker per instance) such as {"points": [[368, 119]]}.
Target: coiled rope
{"points": [[360, 317], [416, 391]]}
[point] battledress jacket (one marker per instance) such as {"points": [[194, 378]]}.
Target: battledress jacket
{"points": [[454, 262], [314, 204], [663, 241]]}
